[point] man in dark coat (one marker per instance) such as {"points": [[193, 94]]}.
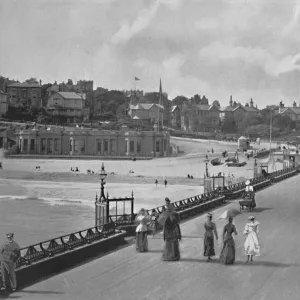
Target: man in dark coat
{"points": [[9, 254]]}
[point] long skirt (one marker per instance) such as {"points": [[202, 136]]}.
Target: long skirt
{"points": [[251, 245], [209, 249], [171, 250], [227, 255], [141, 242]]}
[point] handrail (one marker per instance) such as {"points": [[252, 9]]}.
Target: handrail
{"points": [[58, 245], [64, 243]]}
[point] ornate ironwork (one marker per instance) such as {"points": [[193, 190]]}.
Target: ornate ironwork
{"points": [[186, 207]]}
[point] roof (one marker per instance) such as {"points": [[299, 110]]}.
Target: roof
{"points": [[25, 85], [145, 106], [250, 109], [295, 110], [227, 108], [70, 95], [174, 107]]}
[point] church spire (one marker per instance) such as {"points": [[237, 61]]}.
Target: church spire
{"points": [[160, 93]]}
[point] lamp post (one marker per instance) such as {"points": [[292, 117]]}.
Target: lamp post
{"points": [[101, 203], [206, 160]]}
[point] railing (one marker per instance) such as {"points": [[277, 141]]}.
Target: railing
{"points": [[64, 243], [186, 208]]}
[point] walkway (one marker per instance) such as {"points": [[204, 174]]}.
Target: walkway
{"points": [[127, 275]]}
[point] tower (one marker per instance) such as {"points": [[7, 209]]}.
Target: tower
{"points": [[230, 101]]}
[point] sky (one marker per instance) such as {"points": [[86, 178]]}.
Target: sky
{"points": [[217, 48]]}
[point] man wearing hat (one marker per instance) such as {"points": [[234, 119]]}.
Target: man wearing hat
{"points": [[9, 254]]}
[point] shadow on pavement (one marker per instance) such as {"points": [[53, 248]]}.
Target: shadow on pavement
{"points": [[252, 264], [261, 209]]}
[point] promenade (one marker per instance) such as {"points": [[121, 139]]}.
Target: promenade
{"points": [[127, 275]]}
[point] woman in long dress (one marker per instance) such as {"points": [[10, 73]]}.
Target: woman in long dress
{"points": [[172, 233], [227, 255], [142, 219], [210, 230], [251, 245]]}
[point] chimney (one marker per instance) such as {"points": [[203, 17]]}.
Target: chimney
{"points": [[230, 101], [234, 104], [251, 102], [40, 82], [294, 104], [281, 106]]}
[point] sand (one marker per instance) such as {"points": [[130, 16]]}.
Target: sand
{"points": [[38, 205]]}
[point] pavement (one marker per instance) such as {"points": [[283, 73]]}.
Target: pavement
{"points": [[127, 275]]}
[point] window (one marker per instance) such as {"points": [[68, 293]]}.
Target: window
{"points": [[138, 146], [50, 145], [157, 146], [99, 144], [43, 145], [25, 145], [126, 146], [131, 147], [56, 141], [105, 145], [71, 145], [82, 148], [32, 142], [112, 145]]}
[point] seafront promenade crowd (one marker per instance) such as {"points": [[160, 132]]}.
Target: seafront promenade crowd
{"points": [[169, 219]]}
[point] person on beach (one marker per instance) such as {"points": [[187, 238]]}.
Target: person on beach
{"points": [[9, 255], [227, 255], [156, 182], [143, 220], [251, 245], [166, 182], [210, 230], [172, 233]]}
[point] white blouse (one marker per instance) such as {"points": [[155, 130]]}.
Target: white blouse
{"points": [[144, 221], [251, 227]]}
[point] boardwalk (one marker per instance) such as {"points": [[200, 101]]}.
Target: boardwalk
{"points": [[126, 275]]}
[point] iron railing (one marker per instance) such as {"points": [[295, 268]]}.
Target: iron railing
{"points": [[65, 243], [185, 207]]}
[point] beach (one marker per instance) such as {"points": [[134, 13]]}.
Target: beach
{"points": [[39, 205]]}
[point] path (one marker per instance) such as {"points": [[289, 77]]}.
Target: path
{"points": [[127, 275]]}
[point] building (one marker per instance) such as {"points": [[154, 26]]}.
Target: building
{"points": [[199, 117], [292, 112], [3, 103], [237, 112], [24, 95], [175, 116], [77, 141], [67, 106], [148, 112]]}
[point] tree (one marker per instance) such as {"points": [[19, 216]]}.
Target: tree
{"points": [[216, 103], [32, 80], [229, 125]]}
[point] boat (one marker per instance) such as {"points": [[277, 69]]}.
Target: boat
{"points": [[235, 161], [215, 161]]}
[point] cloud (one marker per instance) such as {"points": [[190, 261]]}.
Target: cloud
{"points": [[217, 52], [127, 31]]}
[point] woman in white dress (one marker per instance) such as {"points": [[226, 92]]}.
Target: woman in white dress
{"points": [[143, 220], [251, 244]]}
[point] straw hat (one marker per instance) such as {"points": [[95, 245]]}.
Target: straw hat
{"points": [[251, 218], [209, 215], [247, 182]]}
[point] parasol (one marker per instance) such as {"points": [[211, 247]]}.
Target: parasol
{"points": [[229, 213], [163, 217]]}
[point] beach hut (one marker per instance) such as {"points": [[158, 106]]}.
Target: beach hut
{"points": [[243, 144]]}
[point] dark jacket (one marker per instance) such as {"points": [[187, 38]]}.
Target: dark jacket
{"points": [[10, 252]]}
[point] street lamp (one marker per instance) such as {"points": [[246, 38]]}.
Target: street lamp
{"points": [[103, 176], [101, 204], [206, 160]]}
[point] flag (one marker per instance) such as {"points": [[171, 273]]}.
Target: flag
{"points": [[135, 78]]}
